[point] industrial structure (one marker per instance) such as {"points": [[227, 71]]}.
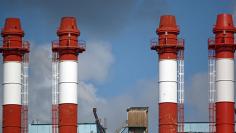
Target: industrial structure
{"points": [[65, 77], [47, 128], [137, 120], [171, 76], [100, 127], [15, 78], [221, 75]]}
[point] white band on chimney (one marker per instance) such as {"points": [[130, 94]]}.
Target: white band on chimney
{"points": [[12, 82], [167, 92], [225, 80], [167, 81], [68, 82], [168, 70]]}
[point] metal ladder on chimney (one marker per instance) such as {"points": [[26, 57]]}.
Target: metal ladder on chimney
{"points": [[180, 90], [212, 91], [55, 92], [24, 93]]}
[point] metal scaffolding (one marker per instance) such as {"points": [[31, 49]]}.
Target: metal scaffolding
{"points": [[55, 92], [212, 89], [180, 90], [24, 93]]}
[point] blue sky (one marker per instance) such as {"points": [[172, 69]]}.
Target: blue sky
{"points": [[131, 47], [126, 27]]}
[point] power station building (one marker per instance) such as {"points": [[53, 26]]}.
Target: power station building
{"points": [[47, 128]]}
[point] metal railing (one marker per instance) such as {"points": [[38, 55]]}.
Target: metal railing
{"points": [[8, 44], [211, 41], [155, 42], [81, 44]]}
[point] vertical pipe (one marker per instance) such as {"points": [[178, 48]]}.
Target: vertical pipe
{"points": [[68, 49], [12, 38], [167, 49], [224, 47]]}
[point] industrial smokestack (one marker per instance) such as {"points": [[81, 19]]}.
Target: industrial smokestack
{"points": [[167, 48], [68, 49], [224, 47], [13, 50]]}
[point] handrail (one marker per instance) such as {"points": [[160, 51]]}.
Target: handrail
{"points": [[81, 44], [25, 44], [211, 41], [24, 48], [155, 42]]}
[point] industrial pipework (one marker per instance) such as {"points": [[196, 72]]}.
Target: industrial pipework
{"points": [[68, 49], [224, 46], [168, 47], [13, 50]]}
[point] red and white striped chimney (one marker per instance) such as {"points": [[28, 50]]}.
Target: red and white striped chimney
{"points": [[167, 49], [13, 51], [224, 48], [68, 50]]}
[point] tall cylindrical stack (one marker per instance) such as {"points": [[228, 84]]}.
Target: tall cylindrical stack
{"points": [[224, 48], [68, 50], [167, 49], [13, 51]]}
